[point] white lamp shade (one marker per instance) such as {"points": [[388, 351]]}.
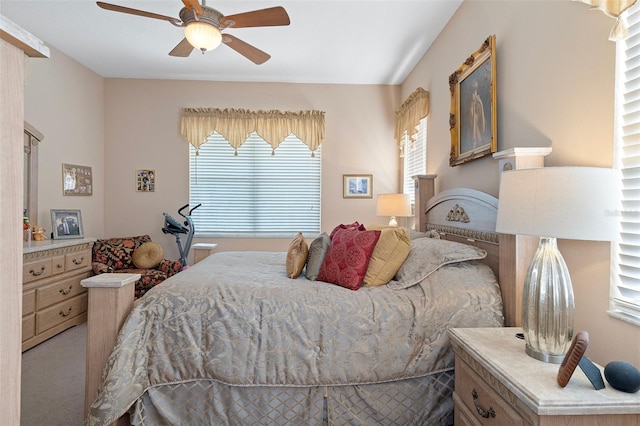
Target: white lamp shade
{"points": [[393, 205], [579, 203], [202, 36]]}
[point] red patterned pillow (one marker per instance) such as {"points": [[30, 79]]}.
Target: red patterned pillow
{"points": [[347, 259], [354, 225]]}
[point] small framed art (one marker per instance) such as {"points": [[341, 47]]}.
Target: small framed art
{"points": [[357, 186], [76, 180], [473, 118], [66, 224], [145, 180]]}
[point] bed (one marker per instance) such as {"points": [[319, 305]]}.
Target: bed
{"points": [[225, 343]]}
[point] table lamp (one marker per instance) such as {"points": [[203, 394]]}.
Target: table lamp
{"points": [[393, 205], [578, 203]]}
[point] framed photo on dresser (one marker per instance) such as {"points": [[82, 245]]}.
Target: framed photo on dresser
{"points": [[66, 224]]}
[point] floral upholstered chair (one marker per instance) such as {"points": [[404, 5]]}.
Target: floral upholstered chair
{"points": [[134, 255]]}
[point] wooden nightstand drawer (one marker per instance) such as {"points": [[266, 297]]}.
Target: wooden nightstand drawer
{"points": [[36, 270], [57, 292], [78, 261], [485, 405], [60, 313]]}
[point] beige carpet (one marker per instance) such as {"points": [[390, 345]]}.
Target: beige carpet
{"points": [[53, 380]]}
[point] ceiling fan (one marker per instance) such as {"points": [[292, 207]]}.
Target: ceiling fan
{"points": [[203, 27]]}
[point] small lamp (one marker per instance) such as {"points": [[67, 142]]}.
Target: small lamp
{"points": [[202, 35], [393, 205], [576, 203]]}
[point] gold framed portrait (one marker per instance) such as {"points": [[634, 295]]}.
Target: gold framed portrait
{"points": [[473, 118]]}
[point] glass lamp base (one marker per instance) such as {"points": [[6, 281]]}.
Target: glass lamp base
{"points": [[542, 356], [547, 304]]}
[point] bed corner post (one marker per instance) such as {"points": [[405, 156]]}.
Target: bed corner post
{"points": [[516, 251], [424, 189], [110, 301]]}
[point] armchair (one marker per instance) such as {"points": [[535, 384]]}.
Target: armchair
{"points": [[121, 255]]}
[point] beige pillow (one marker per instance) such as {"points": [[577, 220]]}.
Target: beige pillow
{"points": [[297, 256], [148, 255], [390, 252]]}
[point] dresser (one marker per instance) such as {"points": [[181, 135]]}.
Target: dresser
{"points": [[497, 383], [52, 297]]}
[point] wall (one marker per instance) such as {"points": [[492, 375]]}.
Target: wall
{"points": [[142, 131], [65, 101], [555, 87]]}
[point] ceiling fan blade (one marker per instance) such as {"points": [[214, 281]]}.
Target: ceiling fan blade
{"points": [[273, 16], [193, 4], [183, 49], [122, 9], [253, 54]]}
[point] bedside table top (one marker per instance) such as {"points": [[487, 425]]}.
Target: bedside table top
{"points": [[497, 352]]}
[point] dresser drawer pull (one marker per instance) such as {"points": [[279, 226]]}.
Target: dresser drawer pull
{"points": [[59, 266], [65, 314], [36, 273], [484, 413], [78, 262], [65, 292]]}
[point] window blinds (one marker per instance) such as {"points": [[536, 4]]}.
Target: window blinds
{"points": [[255, 193], [625, 298], [415, 157]]}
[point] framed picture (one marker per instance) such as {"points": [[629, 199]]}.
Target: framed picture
{"points": [[145, 180], [76, 180], [357, 186], [66, 224], [473, 119]]}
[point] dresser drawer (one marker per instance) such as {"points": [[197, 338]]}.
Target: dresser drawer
{"points": [[57, 314], [28, 326], [59, 291], [481, 400], [80, 260], [28, 302], [57, 263], [36, 270]]}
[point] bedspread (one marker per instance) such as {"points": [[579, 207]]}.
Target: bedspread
{"points": [[237, 319]]}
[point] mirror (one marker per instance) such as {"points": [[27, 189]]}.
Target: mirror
{"points": [[32, 137]]}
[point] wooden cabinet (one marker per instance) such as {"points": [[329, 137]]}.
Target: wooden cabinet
{"points": [[52, 297], [497, 383]]}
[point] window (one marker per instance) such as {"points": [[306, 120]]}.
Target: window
{"points": [[625, 288], [255, 193], [415, 158]]}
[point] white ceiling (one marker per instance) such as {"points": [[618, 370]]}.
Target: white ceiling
{"points": [[337, 42]]}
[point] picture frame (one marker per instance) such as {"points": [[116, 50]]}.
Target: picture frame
{"points": [[145, 180], [66, 224], [473, 116], [357, 186], [76, 180]]}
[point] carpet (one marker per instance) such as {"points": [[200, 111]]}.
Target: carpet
{"points": [[53, 380]]}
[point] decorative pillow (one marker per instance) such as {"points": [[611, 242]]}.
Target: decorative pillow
{"points": [[117, 253], [297, 256], [317, 251], [388, 256], [429, 234], [148, 255], [348, 257], [354, 225], [427, 255]]}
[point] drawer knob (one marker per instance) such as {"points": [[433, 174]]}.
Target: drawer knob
{"points": [[484, 413], [37, 273], [65, 314], [78, 262], [66, 291]]}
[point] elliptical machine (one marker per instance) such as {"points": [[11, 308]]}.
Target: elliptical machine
{"points": [[175, 228]]}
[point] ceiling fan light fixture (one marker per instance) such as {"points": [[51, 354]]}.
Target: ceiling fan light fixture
{"points": [[202, 36]]}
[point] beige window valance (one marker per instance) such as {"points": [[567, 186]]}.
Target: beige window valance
{"points": [[408, 116], [613, 8], [235, 125]]}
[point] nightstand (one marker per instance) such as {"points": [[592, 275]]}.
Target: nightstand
{"points": [[496, 383]]}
